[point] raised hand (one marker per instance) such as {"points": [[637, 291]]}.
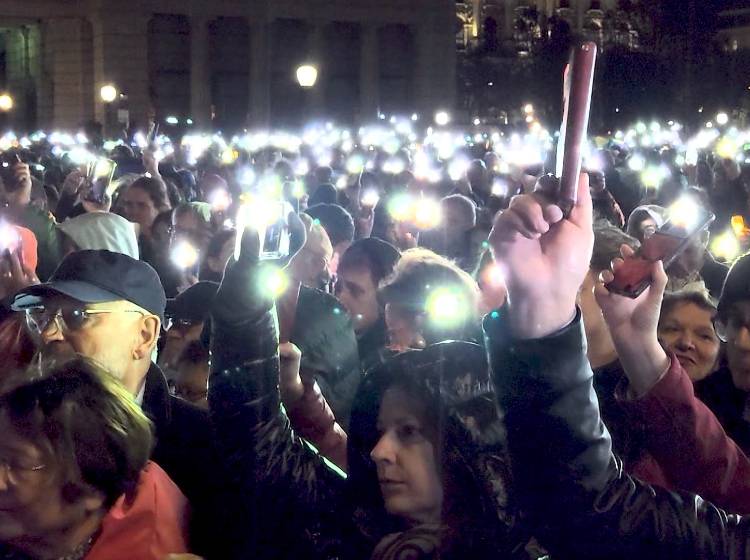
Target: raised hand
{"points": [[544, 258], [632, 325]]}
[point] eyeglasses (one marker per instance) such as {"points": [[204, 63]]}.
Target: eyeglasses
{"points": [[66, 319], [17, 473]]}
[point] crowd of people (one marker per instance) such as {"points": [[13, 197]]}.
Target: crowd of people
{"points": [[383, 343]]}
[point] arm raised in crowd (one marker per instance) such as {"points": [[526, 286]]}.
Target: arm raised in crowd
{"points": [[684, 436], [583, 504], [273, 472]]}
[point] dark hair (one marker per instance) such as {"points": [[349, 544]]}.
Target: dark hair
{"points": [[375, 255], [698, 298], [736, 286], [337, 222], [156, 190], [89, 423], [173, 192]]}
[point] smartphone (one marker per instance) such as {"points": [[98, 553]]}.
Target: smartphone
{"points": [[99, 175], [8, 161], [578, 85], [665, 245], [271, 219]]}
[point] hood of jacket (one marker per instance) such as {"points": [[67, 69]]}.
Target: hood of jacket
{"points": [[453, 379]]}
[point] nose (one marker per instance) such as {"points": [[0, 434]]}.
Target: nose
{"points": [[742, 339], [52, 331], [685, 342], [384, 451], [4, 475]]}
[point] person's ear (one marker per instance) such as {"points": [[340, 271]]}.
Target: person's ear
{"points": [[148, 335]]}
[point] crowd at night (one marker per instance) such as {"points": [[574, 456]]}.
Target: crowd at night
{"points": [[448, 332]]}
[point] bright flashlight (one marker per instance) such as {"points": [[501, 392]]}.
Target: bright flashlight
{"points": [[726, 246], [684, 212], [370, 198], [273, 281], [446, 307], [184, 255], [722, 119], [427, 214], [219, 200]]}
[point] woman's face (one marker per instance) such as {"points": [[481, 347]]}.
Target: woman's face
{"points": [[406, 461], [688, 331], [32, 506], [138, 208]]}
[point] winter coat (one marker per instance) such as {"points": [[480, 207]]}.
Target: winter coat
{"points": [[291, 503], [573, 488]]}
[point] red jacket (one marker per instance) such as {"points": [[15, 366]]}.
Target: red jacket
{"points": [[689, 444], [151, 527]]}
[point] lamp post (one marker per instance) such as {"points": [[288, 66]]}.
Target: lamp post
{"points": [[6, 106], [108, 94], [307, 75]]}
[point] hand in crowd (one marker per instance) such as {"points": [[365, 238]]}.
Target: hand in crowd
{"points": [[544, 258], [632, 325], [151, 163], [73, 183], [14, 274], [290, 382], [18, 195]]}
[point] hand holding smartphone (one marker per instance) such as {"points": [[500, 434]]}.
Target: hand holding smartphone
{"points": [[633, 276]]}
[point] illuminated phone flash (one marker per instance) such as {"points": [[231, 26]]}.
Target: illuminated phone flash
{"points": [[184, 255], [738, 226], [684, 212], [400, 207], [726, 247], [446, 307], [499, 188], [370, 198], [220, 200], [9, 237], [103, 168], [428, 214]]}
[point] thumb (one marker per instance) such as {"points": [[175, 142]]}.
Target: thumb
{"points": [[248, 248], [658, 283]]}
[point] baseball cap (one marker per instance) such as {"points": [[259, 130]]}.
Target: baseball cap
{"points": [[99, 276]]}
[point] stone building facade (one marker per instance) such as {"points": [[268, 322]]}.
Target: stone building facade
{"points": [[227, 63]]}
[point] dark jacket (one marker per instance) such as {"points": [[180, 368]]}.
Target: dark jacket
{"points": [[184, 449], [290, 503], [573, 488], [728, 403]]}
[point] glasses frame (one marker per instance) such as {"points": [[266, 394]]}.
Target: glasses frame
{"points": [[62, 325]]}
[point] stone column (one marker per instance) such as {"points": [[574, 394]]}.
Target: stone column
{"points": [[369, 73], [121, 57], [68, 63], [200, 72]]}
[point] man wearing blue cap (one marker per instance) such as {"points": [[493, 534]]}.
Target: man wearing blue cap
{"points": [[110, 307]]}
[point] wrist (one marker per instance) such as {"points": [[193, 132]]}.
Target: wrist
{"points": [[537, 317], [644, 364]]}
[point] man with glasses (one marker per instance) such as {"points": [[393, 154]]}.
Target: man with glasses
{"points": [[110, 307], [727, 392]]}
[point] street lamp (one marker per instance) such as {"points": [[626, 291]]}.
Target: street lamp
{"points": [[442, 118], [6, 102], [307, 75], [108, 93]]}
